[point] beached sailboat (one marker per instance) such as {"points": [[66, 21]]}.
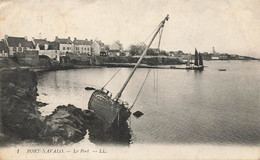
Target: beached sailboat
{"points": [[112, 111], [198, 63]]}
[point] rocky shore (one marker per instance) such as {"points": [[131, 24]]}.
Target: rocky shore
{"points": [[20, 119]]}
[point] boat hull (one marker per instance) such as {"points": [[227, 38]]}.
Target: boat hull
{"points": [[200, 68], [110, 112]]}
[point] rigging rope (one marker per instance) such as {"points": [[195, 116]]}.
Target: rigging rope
{"points": [[140, 90], [110, 79]]}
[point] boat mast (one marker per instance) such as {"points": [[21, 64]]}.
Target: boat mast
{"points": [[140, 59]]}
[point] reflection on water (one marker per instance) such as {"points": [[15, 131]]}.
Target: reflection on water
{"points": [[183, 107], [119, 135]]}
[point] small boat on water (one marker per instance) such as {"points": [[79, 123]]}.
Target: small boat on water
{"points": [[113, 111], [198, 63]]}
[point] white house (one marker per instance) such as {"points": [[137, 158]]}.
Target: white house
{"points": [[116, 49], [65, 45], [82, 46], [17, 45], [95, 48]]}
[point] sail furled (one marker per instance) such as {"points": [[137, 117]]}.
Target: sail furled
{"points": [[200, 60], [196, 63]]}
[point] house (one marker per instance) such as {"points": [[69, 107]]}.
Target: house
{"points": [[115, 49], [3, 49], [95, 48], [65, 45], [82, 46], [232, 56], [17, 45], [223, 56], [215, 56], [117, 46], [104, 50], [47, 48]]}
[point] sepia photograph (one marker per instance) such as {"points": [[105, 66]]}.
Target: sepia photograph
{"points": [[129, 79]]}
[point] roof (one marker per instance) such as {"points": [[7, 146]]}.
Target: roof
{"points": [[117, 42], [3, 46], [53, 46], [81, 42], [15, 41], [41, 41], [63, 41]]}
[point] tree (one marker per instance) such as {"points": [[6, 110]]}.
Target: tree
{"points": [[137, 49]]}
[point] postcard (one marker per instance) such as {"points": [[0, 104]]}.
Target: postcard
{"points": [[121, 79]]}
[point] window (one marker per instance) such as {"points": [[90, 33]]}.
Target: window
{"points": [[64, 48], [68, 48], [84, 48], [20, 49], [14, 49]]}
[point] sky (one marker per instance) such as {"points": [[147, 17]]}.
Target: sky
{"points": [[231, 26]]}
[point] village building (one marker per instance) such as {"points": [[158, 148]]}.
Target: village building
{"points": [[104, 50], [17, 45], [95, 48], [116, 49], [47, 48], [65, 45], [82, 46]]}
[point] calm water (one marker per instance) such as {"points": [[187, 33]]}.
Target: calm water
{"points": [[183, 107]]}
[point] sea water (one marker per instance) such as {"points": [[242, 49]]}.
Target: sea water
{"points": [[179, 106]]}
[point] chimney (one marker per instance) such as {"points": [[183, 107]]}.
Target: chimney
{"points": [[56, 38], [33, 38], [75, 38], [25, 37], [68, 38], [6, 36]]}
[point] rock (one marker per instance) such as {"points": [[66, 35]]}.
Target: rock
{"points": [[21, 120], [138, 114], [65, 125], [41, 104], [19, 115]]}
